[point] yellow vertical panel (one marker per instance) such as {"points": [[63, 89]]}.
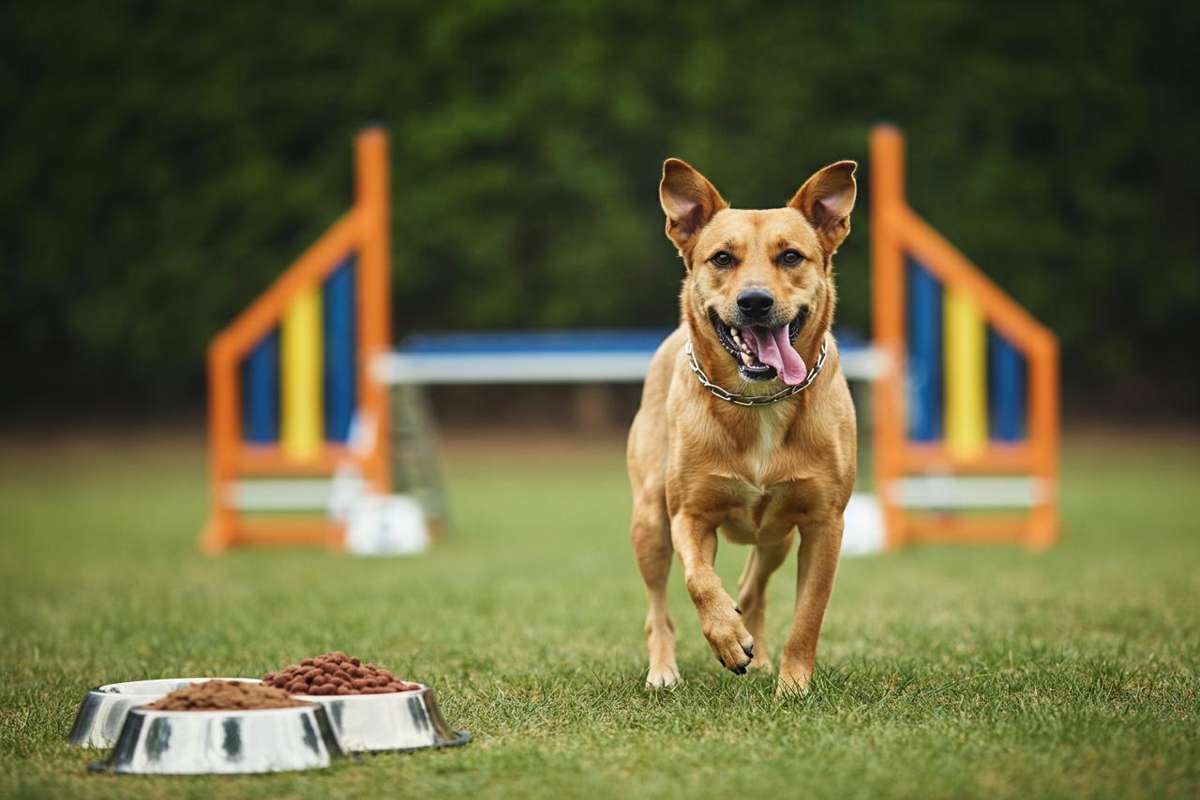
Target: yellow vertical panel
{"points": [[965, 353], [301, 434]]}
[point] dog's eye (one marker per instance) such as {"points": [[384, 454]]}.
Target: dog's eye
{"points": [[790, 258], [721, 259]]}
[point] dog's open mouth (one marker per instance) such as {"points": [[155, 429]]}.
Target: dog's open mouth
{"points": [[763, 353]]}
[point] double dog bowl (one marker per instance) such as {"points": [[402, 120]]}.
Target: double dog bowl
{"points": [[310, 736]]}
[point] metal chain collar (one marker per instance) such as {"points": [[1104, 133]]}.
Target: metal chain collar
{"points": [[751, 400]]}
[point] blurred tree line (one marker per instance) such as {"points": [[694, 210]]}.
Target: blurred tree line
{"points": [[162, 162]]}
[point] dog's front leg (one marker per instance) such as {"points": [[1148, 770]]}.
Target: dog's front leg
{"points": [[695, 539], [820, 546]]}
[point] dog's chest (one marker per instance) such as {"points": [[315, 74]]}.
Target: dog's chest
{"points": [[756, 510], [770, 427]]}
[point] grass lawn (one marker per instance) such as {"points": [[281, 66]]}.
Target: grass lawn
{"points": [[943, 672]]}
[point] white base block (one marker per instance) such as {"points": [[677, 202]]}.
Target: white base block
{"points": [[863, 534], [392, 525]]}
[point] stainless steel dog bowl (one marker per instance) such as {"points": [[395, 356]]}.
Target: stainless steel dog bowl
{"points": [[394, 721], [103, 710], [243, 741]]}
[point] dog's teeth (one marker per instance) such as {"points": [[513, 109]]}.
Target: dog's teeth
{"points": [[746, 359]]}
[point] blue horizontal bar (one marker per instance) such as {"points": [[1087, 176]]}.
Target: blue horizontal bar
{"points": [[534, 342]]}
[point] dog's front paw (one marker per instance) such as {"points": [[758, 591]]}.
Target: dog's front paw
{"points": [[730, 641], [662, 677]]}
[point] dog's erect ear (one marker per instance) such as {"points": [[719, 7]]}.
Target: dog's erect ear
{"points": [[826, 200], [688, 200]]}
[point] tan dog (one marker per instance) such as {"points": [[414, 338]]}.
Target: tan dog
{"points": [[756, 307]]}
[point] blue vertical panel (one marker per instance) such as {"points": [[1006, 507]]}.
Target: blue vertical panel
{"points": [[1006, 389], [924, 354], [341, 352], [260, 391]]}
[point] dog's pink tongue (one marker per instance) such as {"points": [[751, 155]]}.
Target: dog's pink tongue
{"points": [[774, 348]]}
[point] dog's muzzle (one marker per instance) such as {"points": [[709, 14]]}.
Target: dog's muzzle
{"points": [[753, 344]]}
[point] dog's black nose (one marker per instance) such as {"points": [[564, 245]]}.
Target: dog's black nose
{"points": [[755, 303]]}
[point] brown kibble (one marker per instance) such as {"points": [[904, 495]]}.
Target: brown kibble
{"points": [[337, 673], [224, 695]]}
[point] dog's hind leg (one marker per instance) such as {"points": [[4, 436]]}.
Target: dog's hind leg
{"points": [[752, 593], [652, 545]]}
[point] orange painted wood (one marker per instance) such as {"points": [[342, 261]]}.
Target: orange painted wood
{"points": [[374, 296], [888, 306], [218, 535], [272, 461], [288, 532], [960, 528], [927, 458], [895, 230], [223, 436], [1044, 434], [313, 266]]}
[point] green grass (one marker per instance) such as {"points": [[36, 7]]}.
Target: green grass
{"points": [[944, 671]]}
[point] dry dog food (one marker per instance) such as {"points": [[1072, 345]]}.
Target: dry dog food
{"points": [[224, 696], [336, 673]]}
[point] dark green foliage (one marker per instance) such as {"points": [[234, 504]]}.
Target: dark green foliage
{"points": [[161, 163]]}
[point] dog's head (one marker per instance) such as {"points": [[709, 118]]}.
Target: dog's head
{"points": [[759, 283]]}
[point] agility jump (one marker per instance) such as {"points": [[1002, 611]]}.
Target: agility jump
{"points": [[301, 384], [962, 445], [291, 374]]}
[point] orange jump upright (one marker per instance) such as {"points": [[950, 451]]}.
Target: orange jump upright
{"points": [[929, 491], [362, 234]]}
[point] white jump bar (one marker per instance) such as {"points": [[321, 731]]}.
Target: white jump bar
{"points": [[281, 495], [946, 492], [400, 368], [441, 369]]}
